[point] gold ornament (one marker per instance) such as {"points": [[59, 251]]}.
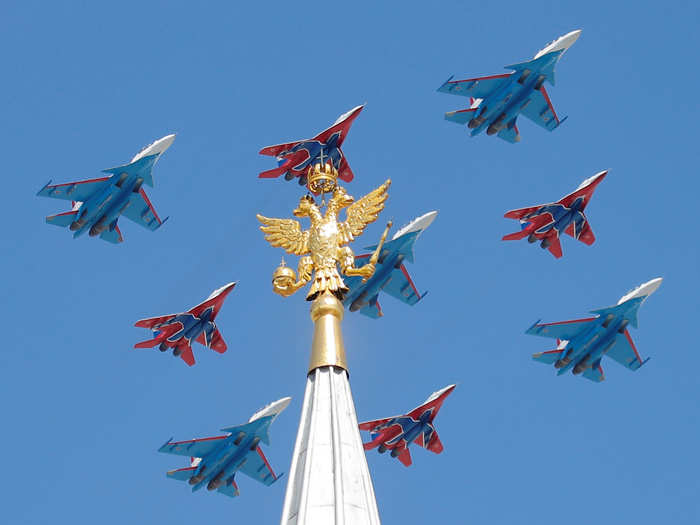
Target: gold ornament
{"points": [[323, 245], [322, 178]]}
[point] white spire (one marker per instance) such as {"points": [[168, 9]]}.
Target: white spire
{"points": [[329, 481]]}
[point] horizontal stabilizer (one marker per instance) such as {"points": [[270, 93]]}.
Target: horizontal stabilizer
{"points": [[515, 236], [549, 357], [63, 219], [181, 474], [405, 457], [462, 116], [149, 343], [187, 355]]}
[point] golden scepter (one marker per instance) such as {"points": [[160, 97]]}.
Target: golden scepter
{"points": [[375, 256]]}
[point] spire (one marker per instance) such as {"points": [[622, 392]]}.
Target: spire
{"points": [[329, 481]]}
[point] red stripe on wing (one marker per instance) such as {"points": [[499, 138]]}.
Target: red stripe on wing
{"points": [[266, 462], [549, 103], [634, 348], [148, 203], [410, 281]]}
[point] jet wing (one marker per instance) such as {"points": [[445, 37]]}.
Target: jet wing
{"points": [[401, 286], [625, 353], [279, 149], [540, 110], [561, 330], [369, 426], [257, 467], [141, 211], [197, 448], [521, 212], [152, 322], [288, 162], [73, 191], [479, 87]]}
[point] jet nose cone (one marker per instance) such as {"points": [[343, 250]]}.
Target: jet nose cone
{"points": [[643, 290], [224, 290], [417, 225], [273, 409], [568, 39], [650, 287], [156, 148], [560, 44]]}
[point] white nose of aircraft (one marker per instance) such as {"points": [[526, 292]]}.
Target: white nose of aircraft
{"points": [[561, 43], [273, 409], [643, 290], [156, 148]]}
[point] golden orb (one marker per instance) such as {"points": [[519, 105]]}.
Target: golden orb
{"points": [[283, 279]]}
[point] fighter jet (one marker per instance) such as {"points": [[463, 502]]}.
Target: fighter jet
{"points": [[546, 221], [177, 331], [294, 158], [398, 432], [582, 343], [98, 203], [214, 461], [390, 274], [497, 100]]}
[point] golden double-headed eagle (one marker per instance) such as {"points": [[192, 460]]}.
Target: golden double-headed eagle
{"points": [[324, 245]]}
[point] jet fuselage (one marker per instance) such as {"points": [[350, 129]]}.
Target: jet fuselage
{"points": [[500, 108], [585, 350]]}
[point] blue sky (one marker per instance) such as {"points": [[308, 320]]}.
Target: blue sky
{"points": [[87, 84]]}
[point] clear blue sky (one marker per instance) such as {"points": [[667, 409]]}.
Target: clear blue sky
{"points": [[87, 84]]}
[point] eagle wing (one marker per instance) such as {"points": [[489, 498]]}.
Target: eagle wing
{"points": [[285, 233], [363, 212]]}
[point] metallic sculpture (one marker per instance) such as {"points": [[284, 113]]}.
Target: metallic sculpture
{"points": [[324, 245]]}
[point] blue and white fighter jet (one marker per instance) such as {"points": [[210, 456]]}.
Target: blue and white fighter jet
{"points": [[390, 274], [497, 100], [214, 461], [97, 204], [582, 343]]}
